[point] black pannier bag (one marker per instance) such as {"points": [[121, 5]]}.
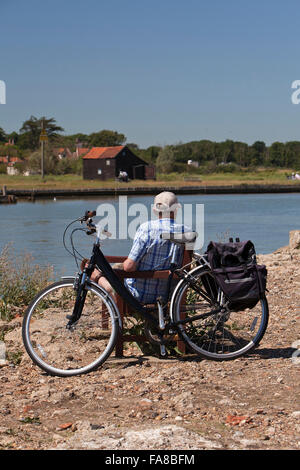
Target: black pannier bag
{"points": [[236, 272]]}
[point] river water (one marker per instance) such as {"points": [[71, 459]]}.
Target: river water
{"points": [[37, 227]]}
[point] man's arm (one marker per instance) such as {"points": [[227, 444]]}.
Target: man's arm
{"points": [[130, 265], [138, 249]]}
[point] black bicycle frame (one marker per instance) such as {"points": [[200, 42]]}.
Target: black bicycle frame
{"points": [[99, 259]]}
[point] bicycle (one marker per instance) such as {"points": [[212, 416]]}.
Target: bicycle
{"points": [[71, 327]]}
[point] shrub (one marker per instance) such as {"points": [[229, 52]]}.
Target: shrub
{"points": [[20, 281], [3, 170], [227, 168]]}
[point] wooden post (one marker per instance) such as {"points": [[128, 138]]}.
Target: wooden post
{"points": [[119, 344], [4, 190], [42, 159]]}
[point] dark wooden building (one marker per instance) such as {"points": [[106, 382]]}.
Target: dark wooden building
{"points": [[106, 163]]}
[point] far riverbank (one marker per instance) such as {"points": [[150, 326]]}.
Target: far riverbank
{"points": [[258, 181], [152, 190]]}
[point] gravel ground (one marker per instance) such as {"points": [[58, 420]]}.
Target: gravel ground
{"points": [[147, 403]]}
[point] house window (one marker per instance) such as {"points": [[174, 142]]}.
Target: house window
{"points": [[107, 162], [99, 172]]}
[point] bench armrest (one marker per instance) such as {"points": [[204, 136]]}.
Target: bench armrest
{"points": [[116, 259], [142, 274]]}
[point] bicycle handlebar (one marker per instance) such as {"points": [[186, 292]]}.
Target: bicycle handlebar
{"points": [[89, 214]]}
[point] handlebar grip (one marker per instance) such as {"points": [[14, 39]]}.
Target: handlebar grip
{"points": [[89, 214]]}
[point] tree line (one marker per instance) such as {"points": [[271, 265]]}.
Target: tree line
{"points": [[208, 155]]}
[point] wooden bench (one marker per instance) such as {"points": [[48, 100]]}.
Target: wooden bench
{"points": [[125, 310]]}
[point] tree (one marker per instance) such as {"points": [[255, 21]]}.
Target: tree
{"points": [[106, 138], [240, 153], [292, 154], [50, 161], [9, 150], [226, 151], [14, 136], [31, 130], [257, 153], [277, 154], [149, 155], [166, 160], [3, 136]]}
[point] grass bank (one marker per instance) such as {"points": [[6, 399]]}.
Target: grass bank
{"points": [[262, 177]]}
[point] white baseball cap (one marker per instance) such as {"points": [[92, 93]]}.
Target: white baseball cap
{"points": [[165, 202]]}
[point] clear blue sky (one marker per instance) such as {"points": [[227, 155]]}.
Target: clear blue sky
{"points": [[160, 71]]}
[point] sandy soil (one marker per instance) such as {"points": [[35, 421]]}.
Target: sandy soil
{"points": [[148, 403]]}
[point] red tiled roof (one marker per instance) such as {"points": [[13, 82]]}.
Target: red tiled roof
{"points": [[58, 150], [104, 152], [82, 151], [9, 159]]}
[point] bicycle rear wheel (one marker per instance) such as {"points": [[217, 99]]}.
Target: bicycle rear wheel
{"points": [[81, 349], [216, 335]]}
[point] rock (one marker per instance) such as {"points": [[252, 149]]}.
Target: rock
{"points": [[64, 426], [270, 431], [225, 401], [145, 404], [249, 442], [60, 412], [234, 420], [163, 437], [41, 392], [294, 242]]}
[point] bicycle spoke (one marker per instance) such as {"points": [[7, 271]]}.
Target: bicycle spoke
{"points": [[214, 332], [53, 346]]}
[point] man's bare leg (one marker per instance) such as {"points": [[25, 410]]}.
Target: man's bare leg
{"points": [[103, 282]]}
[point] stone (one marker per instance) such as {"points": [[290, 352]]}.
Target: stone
{"points": [[294, 242], [145, 404]]}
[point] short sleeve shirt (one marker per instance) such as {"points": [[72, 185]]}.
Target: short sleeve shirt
{"points": [[152, 253]]}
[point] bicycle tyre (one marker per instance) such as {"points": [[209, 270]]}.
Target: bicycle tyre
{"points": [[62, 352], [214, 337]]}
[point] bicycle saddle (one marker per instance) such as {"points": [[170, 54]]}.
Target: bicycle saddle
{"points": [[179, 237]]}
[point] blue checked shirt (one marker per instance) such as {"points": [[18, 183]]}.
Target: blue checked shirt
{"points": [[151, 253]]}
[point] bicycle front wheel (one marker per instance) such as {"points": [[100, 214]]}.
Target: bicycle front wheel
{"points": [[210, 333], [81, 349]]}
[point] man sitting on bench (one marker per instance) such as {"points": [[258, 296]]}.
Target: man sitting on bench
{"points": [[150, 252]]}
